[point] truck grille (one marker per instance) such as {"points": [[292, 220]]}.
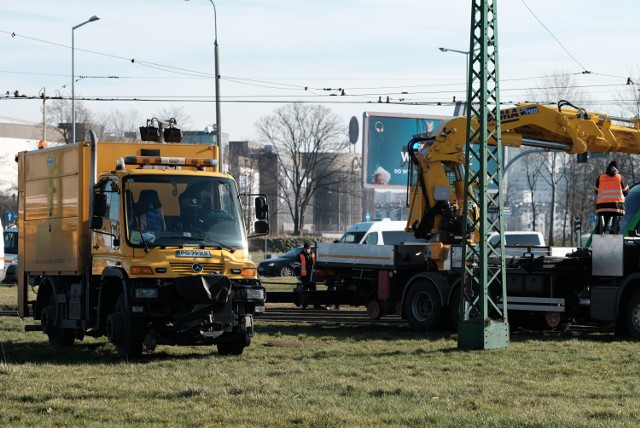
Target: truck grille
{"points": [[186, 268]]}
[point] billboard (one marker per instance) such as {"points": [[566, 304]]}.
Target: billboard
{"points": [[385, 137]]}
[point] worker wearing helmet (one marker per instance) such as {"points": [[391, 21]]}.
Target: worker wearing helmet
{"points": [[610, 192]]}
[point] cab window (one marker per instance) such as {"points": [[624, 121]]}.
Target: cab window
{"points": [[371, 239]]}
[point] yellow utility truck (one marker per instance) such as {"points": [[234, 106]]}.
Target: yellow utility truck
{"points": [[141, 242]]}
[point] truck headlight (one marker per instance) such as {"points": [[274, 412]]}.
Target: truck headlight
{"points": [[146, 293]]}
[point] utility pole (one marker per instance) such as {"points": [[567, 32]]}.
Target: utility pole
{"points": [[484, 323], [44, 114]]}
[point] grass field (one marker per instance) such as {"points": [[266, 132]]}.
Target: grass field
{"points": [[324, 376]]}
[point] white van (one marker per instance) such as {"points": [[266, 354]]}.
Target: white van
{"points": [[10, 255], [382, 232], [518, 238]]}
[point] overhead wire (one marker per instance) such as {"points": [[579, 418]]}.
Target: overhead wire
{"points": [[584, 69]]}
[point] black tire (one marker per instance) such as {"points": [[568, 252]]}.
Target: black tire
{"points": [[422, 306], [57, 336], [632, 315], [125, 332], [234, 347], [286, 271]]}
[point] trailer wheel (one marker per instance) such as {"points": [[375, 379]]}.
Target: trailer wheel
{"points": [[633, 315], [234, 347], [374, 309], [125, 331], [57, 336], [422, 306]]}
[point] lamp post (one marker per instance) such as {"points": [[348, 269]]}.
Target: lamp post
{"points": [[73, 76], [466, 53], [217, 83]]}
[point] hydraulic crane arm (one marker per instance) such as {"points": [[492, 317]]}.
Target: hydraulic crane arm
{"points": [[437, 164]]}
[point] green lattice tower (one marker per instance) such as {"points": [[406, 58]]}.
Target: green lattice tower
{"points": [[483, 323]]}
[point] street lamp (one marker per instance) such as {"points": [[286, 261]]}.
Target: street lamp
{"points": [[217, 82], [73, 76], [466, 53]]}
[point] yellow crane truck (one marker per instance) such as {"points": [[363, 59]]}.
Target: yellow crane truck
{"points": [[421, 281], [596, 284], [141, 242]]}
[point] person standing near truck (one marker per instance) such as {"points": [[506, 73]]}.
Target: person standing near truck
{"points": [[610, 192], [307, 262]]}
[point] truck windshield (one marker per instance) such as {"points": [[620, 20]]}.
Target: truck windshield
{"points": [[185, 210]]}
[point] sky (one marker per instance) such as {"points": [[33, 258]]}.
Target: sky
{"points": [[276, 52]]}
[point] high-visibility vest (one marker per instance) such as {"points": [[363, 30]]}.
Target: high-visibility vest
{"points": [[610, 189], [303, 262]]}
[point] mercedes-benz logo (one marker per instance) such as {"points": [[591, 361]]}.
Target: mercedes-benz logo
{"points": [[197, 267]]}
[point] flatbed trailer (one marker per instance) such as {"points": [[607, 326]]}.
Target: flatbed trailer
{"points": [[599, 285]]}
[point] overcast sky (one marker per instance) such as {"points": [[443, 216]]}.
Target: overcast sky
{"points": [[279, 51]]}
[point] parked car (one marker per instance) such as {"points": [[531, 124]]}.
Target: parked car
{"points": [[287, 264], [11, 255]]}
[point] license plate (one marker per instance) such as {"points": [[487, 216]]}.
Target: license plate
{"points": [[193, 253]]}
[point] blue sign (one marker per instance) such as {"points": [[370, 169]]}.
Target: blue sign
{"points": [[385, 139], [592, 218], [9, 217]]}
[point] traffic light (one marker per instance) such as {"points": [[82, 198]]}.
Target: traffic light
{"points": [[577, 224]]}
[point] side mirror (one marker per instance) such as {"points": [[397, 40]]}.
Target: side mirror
{"points": [[99, 205], [261, 227], [96, 223], [262, 209]]}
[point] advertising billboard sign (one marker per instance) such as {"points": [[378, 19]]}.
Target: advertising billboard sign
{"points": [[385, 137]]}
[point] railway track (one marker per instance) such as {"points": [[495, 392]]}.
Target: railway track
{"points": [[8, 313], [326, 316]]}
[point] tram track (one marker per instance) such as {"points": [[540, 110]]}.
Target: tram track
{"points": [[333, 316]]}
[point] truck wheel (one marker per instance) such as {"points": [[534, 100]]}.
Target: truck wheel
{"points": [[125, 331], [286, 271], [374, 309], [234, 347], [57, 336], [633, 315], [422, 306]]}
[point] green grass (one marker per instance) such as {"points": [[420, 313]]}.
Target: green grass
{"points": [[323, 375]]}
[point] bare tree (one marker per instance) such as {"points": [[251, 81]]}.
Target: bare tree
{"points": [[119, 125], [629, 98], [629, 107], [532, 172], [59, 116], [553, 88], [307, 141], [183, 119], [553, 176]]}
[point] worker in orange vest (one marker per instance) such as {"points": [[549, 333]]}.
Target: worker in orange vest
{"points": [[307, 262], [610, 192]]}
